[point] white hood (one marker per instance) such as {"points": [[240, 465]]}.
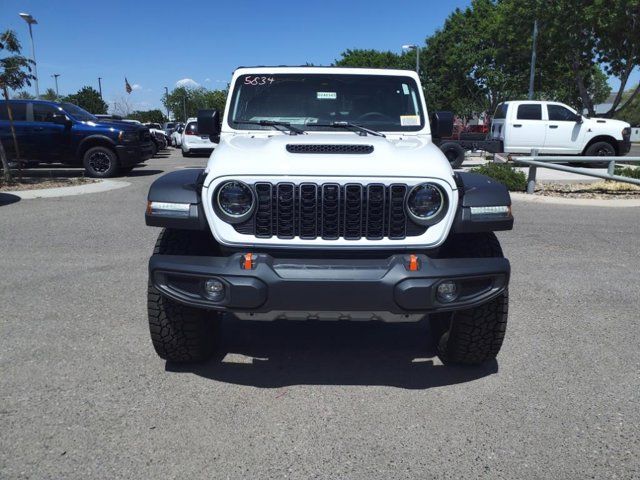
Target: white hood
{"points": [[609, 123], [267, 155]]}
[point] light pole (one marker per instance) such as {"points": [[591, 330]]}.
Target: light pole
{"points": [[532, 72], [166, 97], [417, 49], [31, 21], [55, 76], [100, 86]]}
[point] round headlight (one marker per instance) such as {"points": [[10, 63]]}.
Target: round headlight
{"points": [[235, 200], [425, 203]]}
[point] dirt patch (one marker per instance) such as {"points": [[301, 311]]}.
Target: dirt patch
{"points": [[41, 183], [601, 190]]}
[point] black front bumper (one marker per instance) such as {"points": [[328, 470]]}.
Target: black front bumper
{"points": [[132, 154], [328, 284], [624, 145]]}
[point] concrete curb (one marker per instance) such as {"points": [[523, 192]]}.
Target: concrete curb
{"points": [[99, 186], [584, 202]]}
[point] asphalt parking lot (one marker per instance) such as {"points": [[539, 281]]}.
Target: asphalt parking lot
{"points": [[84, 395]]}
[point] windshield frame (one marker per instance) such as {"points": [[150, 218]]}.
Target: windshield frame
{"points": [[404, 76], [89, 117]]}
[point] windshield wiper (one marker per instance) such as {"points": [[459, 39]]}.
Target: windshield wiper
{"points": [[282, 126], [359, 129]]}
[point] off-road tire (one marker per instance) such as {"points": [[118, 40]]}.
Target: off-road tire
{"points": [[600, 149], [454, 153], [179, 333], [472, 336], [100, 162]]}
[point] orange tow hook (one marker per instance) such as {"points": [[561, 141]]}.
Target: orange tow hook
{"points": [[247, 262], [414, 263]]}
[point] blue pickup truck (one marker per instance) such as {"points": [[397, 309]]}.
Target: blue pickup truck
{"points": [[51, 132]]}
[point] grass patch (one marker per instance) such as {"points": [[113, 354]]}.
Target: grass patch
{"points": [[514, 180], [630, 172]]}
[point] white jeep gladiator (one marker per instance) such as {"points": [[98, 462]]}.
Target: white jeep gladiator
{"points": [[326, 199]]}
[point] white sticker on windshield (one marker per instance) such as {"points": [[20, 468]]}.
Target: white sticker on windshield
{"points": [[405, 89], [327, 95], [409, 120]]}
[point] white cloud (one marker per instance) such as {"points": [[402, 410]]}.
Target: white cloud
{"points": [[187, 82], [207, 80], [136, 86]]}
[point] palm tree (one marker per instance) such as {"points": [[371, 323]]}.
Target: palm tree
{"points": [[15, 73]]}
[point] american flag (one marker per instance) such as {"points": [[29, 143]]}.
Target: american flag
{"points": [[127, 87]]}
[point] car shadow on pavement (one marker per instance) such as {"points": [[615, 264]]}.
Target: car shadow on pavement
{"points": [[8, 199], [142, 173], [280, 354]]}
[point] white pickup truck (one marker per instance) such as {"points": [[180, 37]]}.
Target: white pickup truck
{"points": [[555, 128]]}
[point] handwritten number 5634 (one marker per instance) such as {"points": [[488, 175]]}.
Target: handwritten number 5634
{"points": [[255, 81]]}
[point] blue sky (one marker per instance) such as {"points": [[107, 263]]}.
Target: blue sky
{"points": [[157, 44]]}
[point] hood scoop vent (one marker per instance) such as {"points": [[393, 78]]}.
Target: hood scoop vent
{"points": [[328, 148]]}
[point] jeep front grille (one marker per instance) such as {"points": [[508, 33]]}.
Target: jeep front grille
{"points": [[330, 211]]}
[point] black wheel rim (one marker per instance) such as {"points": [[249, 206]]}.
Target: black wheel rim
{"points": [[99, 162], [604, 152]]}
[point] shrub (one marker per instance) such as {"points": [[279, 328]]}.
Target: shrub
{"points": [[514, 180], [628, 172]]}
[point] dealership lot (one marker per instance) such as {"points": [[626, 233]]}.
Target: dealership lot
{"points": [[84, 395]]}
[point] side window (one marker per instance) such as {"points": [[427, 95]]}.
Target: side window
{"points": [[43, 112], [530, 111], [559, 113], [501, 111], [18, 111]]}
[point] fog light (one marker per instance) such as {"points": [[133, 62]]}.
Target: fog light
{"points": [[214, 289], [447, 292]]}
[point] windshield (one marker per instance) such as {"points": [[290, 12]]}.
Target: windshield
{"points": [[312, 101], [78, 113]]}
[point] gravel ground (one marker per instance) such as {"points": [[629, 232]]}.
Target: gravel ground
{"points": [[84, 396], [41, 183]]}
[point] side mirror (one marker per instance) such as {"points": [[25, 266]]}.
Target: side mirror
{"points": [[209, 124], [61, 119], [442, 124], [578, 118]]}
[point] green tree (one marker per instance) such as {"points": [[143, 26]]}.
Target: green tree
{"points": [[49, 94], [148, 116], [89, 99], [584, 36], [183, 100], [24, 95], [15, 73], [631, 111], [374, 59], [482, 54]]}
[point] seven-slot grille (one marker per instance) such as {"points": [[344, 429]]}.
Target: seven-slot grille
{"points": [[330, 211]]}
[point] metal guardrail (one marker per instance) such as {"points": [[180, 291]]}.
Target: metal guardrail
{"points": [[534, 161]]}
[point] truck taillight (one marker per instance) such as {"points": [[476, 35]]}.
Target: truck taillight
{"points": [[190, 132]]}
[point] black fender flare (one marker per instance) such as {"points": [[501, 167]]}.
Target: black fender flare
{"points": [[99, 140], [182, 186], [477, 190]]}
